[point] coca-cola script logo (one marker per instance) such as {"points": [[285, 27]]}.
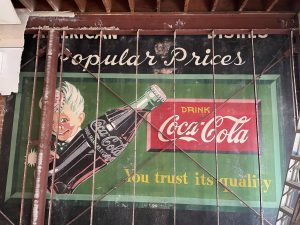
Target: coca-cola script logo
{"points": [[189, 124], [108, 146]]}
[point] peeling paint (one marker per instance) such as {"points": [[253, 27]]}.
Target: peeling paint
{"points": [[40, 185], [35, 212], [153, 206], [162, 48], [178, 24], [164, 71]]}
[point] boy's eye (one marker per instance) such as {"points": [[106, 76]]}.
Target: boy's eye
{"points": [[63, 120]]}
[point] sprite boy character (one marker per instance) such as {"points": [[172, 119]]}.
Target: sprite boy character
{"points": [[68, 115]]}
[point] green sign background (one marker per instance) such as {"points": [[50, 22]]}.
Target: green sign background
{"points": [[195, 187]]}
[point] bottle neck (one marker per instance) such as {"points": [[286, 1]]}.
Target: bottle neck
{"points": [[143, 103], [152, 98]]}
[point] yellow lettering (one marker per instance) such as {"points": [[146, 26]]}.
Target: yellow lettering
{"points": [[178, 179], [156, 178], [242, 182], [233, 182], [210, 181], [128, 175], [196, 178], [190, 109], [224, 181], [206, 110], [266, 185], [185, 178]]}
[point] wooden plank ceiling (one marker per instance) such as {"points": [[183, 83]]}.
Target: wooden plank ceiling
{"points": [[160, 6]]}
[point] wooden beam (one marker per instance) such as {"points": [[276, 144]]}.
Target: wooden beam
{"points": [[186, 5], [29, 4], [81, 5], [107, 5], [131, 5], [55, 4], [214, 5], [158, 3], [159, 21], [242, 5], [270, 4], [296, 5]]}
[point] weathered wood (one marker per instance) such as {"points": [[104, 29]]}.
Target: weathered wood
{"points": [[55, 4], [242, 5], [270, 4], [29, 4], [230, 6], [131, 4], [127, 21], [214, 5], [186, 6], [81, 5], [107, 5], [158, 4]]}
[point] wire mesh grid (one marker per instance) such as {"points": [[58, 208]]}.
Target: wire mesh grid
{"points": [[172, 142]]}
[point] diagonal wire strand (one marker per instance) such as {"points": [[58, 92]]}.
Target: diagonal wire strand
{"points": [[6, 217], [257, 129], [29, 128], [96, 136], [174, 142], [135, 127], [215, 127], [294, 86]]}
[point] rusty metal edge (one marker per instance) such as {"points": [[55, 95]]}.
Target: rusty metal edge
{"points": [[41, 172]]}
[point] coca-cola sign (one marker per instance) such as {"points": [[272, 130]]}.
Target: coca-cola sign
{"points": [[189, 124]]}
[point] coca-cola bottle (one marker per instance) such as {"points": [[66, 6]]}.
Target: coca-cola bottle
{"points": [[113, 131]]}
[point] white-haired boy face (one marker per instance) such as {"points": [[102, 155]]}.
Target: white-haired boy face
{"points": [[67, 118], [67, 124]]}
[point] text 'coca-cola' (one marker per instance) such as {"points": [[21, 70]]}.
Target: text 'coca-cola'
{"points": [[191, 125]]}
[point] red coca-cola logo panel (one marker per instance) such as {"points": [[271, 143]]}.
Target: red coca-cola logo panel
{"points": [[190, 123]]}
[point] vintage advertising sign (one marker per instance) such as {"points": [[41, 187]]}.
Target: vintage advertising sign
{"points": [[168, 153], [191, 124], [150, 147]]}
